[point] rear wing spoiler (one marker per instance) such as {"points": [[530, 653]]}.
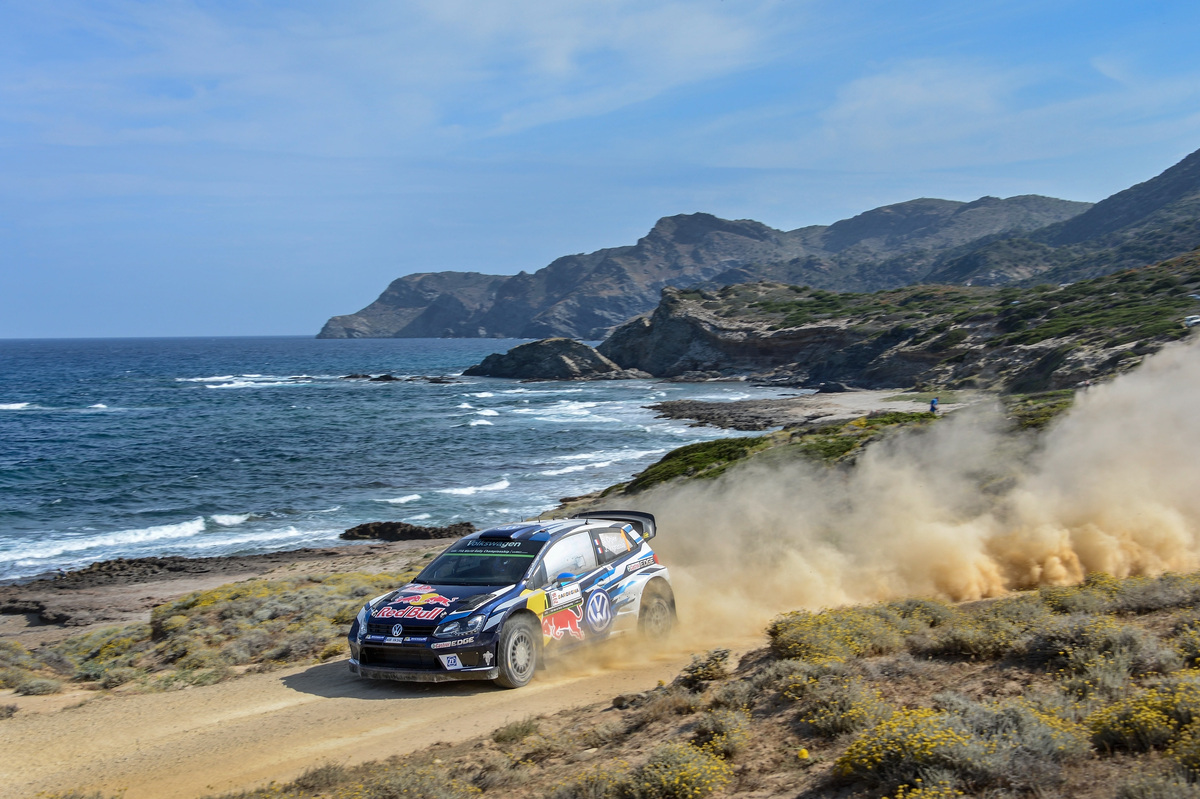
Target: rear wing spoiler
{"points": [[643, 523]]}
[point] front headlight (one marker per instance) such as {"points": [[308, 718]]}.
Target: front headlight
{"points": [[361, 620], [461, 627]]}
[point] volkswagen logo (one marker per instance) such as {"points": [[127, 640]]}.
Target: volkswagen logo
{"points": [[397, 629]]}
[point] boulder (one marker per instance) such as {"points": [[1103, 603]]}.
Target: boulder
{"points": [[552, 359], [401, 531]]}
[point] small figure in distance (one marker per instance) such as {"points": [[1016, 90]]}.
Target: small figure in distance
{"points": [[933, 403]]}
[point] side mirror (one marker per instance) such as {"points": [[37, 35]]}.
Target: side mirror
{"points": [[564, 578]]}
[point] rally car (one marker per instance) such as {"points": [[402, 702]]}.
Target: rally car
{"points": [[495, 601]]}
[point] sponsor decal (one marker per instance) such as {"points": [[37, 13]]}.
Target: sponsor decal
{"points": [[393, 640], [426, 614], [448, 644], [427, 598], [499, 545], [373, 638], [639, 564], [397, 629], [565, 596], [487, 658], [565, 622], [598, 615], [451, 662], [416, 589]]}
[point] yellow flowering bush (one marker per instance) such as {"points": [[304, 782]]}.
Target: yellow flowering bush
{"points": [[896, 750], [1150, 720], [678, 771], [838, 634]]}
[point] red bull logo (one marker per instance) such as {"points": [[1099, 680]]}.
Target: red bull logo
{"points": [[560, 624], [423, 599], [410, 612]]}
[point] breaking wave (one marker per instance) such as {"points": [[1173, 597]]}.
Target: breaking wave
{"points": [[500, 485]]}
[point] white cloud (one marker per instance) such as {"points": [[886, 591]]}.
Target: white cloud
{"points": [[363, 78]]}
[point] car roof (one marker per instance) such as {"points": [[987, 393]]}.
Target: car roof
{"points": [[543, 530]]}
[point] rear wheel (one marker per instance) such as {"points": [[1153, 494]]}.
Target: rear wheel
{"points": [[657, 616], [518, 652]]}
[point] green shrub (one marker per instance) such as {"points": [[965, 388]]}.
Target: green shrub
{"points": [[1159, 786], [990, 632], [835, 705], [840, 633], [409, 783], [703, 669], [321, 777], [674, 701], [599, 782], [1010, 745], [722, 732], [735, 695], [39, 687], [1098, 645], [706, 458], [678, 771], [1150, 720]]}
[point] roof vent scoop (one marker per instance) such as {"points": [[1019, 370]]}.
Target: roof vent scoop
{"points": [[643, 523]]}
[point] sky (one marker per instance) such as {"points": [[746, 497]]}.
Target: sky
{"points": [[176, 168]]}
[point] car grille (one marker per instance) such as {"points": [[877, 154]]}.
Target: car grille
{"points": [[399, 658], [384, 628]]}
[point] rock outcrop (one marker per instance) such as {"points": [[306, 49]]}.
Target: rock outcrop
{"points": [[402, 531], [552, 359]]}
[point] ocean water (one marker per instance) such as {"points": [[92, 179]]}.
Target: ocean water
{"points": [[137, 447]]}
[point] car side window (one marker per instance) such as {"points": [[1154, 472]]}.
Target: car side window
{"points": [[574, 554], [613, 544]]}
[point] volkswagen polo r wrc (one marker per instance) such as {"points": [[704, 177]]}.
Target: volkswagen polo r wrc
{"points": [[495, 601]]}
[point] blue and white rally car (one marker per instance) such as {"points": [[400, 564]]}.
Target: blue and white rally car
{"points": [[487, 607]]}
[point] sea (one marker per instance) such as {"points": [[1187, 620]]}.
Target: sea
{"points": [[125, 448]]}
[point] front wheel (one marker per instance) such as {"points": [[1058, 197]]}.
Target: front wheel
{"points": [[518, 652], [657, 616]]}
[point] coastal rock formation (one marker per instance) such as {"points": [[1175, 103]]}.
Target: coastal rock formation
{"points": [[551, 359], [401, 531], [587, 295], [978, 337]]}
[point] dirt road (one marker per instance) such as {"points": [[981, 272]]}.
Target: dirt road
{"points": [[262, 727]]}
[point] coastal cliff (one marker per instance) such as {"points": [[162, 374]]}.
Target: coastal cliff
{"points": [[587, 295]]}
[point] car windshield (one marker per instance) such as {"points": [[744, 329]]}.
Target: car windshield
{"points": [[481, 561]]}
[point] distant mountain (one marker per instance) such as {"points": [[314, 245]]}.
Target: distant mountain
{"points": [[587, 295], [1144, 224]]}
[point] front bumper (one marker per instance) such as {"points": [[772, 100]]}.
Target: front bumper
{"points": [[373, 672]]}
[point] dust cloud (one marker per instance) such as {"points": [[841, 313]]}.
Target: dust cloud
{"points": [[960, 510]]}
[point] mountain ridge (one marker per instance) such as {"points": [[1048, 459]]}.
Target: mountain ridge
{"points": [[588, 294]]}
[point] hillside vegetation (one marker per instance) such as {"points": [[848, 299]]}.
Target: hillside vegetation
{"points": [[1013, 339], [1080, 691]]}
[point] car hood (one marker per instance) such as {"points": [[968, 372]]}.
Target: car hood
{"points": [[449, 598]]}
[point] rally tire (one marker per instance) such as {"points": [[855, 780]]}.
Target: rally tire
{"points": [[657, 615], [517, 654]]}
